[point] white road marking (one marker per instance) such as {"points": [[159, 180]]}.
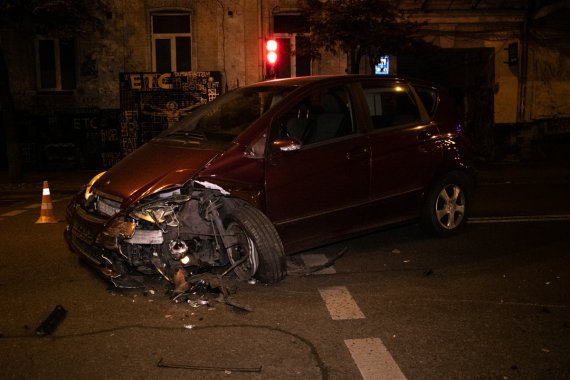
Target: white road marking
{"points": [[514, 219], [31, 206], [316, 259], [340, 303], [13, 213], [373, 359]]}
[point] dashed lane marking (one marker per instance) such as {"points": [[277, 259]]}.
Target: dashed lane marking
{"points": [[369, 354], [26, 208], [373, 359], [340, 303], [515, 219], [13, 213]]}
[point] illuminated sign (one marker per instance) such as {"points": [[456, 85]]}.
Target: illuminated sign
{"points": [[382, 66]]}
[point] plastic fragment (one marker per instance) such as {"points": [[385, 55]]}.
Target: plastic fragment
{"points": [[51, 323]]}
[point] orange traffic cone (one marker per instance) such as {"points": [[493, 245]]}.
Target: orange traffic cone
{"points": [[46, 213]]}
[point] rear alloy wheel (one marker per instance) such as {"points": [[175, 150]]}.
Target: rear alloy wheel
{"points": [[256, 244], [446, 207]]}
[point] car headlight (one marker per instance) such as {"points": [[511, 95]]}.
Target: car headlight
{"points": [[88, 192]]}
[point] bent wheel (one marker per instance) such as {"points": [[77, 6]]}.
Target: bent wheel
{"points": [[256, 243], [243, 250]]}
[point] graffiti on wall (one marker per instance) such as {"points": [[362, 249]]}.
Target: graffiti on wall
{"points": [[99, 138], [152, 102], [85, 139]]}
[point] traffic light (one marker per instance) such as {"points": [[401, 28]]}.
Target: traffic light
{"points": [[271, 58]]}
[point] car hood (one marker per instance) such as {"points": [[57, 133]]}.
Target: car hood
{"points": [[150, 169]]}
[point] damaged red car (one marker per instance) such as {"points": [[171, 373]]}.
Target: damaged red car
{"points": [[273, 169]]}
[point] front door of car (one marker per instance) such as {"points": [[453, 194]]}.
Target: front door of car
{"points": [[404, 152], [317, 175]]}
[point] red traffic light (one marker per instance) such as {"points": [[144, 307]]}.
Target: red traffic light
{"points": [[271, 47], [271, 57]]}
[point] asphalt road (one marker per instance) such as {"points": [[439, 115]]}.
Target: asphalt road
{"points": [[491, 303]]}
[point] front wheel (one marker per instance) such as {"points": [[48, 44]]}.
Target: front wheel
{"points": [[446, 206], [256, 244]]}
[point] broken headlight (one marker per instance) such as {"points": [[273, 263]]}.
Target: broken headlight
{"points": [[88, 193]]}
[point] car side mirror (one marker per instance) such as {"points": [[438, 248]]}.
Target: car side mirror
{"points": [[287, 144]]}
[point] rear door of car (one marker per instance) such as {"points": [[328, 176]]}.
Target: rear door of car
{"points": [[404, 153], [314, 190]]}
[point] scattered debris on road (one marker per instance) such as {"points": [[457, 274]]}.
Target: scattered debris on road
{"points": [[298, 268], [51, 323]]}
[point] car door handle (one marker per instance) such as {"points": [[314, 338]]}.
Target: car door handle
{"points": [[357, 153], [425, 135]]}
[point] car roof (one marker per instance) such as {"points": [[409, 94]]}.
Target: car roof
{"points": [[301, 81]]}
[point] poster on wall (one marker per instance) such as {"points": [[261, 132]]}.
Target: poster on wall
{"points": [[151, 102]]}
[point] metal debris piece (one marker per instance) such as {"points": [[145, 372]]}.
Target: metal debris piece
{"points": [[206, 287], [306, 271], [127, 282], [235, 305], [198, 303], [50, 324], [161, 363]]}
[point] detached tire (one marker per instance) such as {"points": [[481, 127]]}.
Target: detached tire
{"points": [[255, 236], [447, 205]]}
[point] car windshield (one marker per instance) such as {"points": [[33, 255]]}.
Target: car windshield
{"points": [[216, 124]]}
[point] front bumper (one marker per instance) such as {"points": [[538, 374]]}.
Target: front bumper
{"points": [[81, 235]]}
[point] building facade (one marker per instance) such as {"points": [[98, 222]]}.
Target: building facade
{"points": [[506, 62]]}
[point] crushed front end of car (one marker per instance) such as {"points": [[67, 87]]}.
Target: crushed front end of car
{"points": [[186, 201], [175, 233]]}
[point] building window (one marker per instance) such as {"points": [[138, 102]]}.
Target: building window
{"points": [[56, 69], [171, 42], [291, 31]]}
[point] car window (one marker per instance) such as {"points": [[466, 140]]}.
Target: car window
{"points": [[391, 105], [429, 98], [216, 124], [322, 116]]}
